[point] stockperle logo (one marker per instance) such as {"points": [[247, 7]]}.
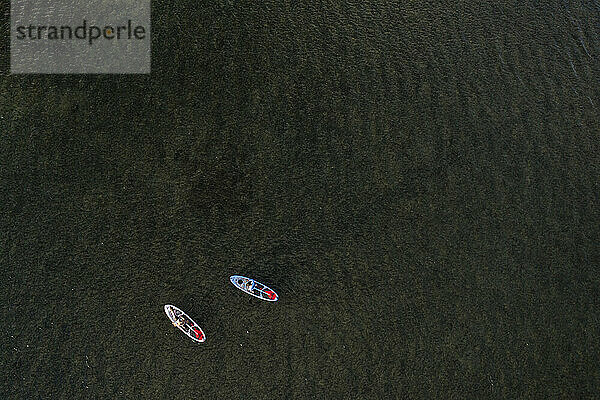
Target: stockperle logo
{"points": [[80, 36]]}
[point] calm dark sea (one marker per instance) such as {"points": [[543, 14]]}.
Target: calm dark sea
{"points": [[418, 181]]}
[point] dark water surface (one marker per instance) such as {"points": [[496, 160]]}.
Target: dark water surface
{"points": [[419, 182]]}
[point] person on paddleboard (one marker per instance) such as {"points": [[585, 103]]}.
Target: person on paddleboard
{"points": [[179, 322]]}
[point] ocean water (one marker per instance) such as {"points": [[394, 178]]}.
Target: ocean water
{"points": [[419, 183]]}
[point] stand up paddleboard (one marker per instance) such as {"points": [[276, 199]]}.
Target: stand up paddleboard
{"points": [[254, 288], [184, 323]]}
